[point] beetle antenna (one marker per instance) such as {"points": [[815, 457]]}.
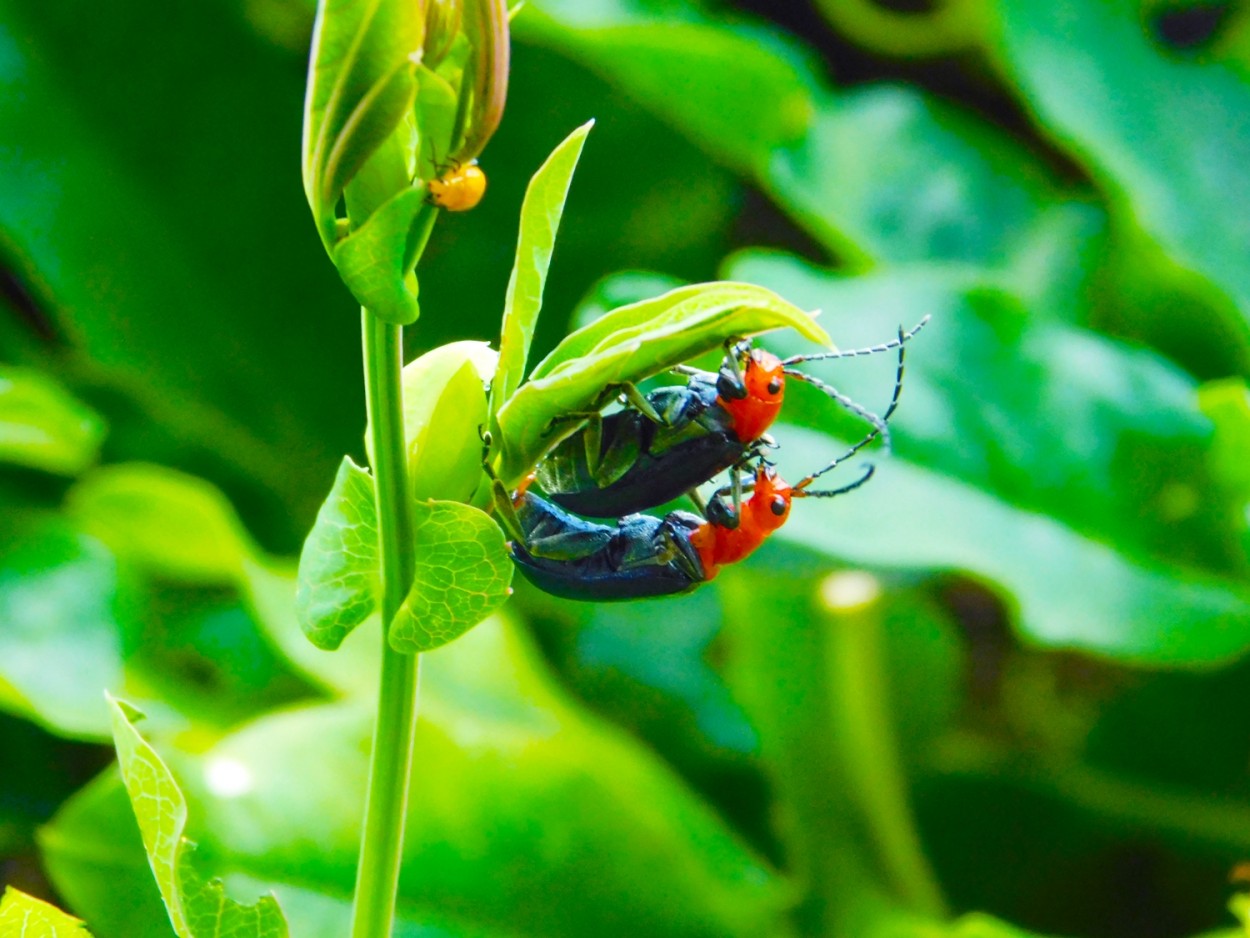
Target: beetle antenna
{"points": [[851, 451], [879, 424], [879, 428], [856, 352], [898, 373], [831, 493]]}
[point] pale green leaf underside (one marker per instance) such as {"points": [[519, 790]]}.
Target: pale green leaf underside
{"points": [[23, 916], [197, 909], [43, 427], [375, 260], [540, 220], [444, 442], [338, 581], [629, 344], [462, 575]]}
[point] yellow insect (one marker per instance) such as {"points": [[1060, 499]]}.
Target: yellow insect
{"points": [[459, 190]]}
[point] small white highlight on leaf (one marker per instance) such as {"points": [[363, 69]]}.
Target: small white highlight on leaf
{"points": [[849, 591], [227, 778]]}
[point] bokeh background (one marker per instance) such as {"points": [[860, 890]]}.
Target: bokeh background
{"points": [[1003, 683]]}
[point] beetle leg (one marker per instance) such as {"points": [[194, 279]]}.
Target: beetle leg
{"points": [[721, 515], [730, 382], [504, 509], [506, 512], [699, 502], [677, 550], [574, 420], [592, 438], [641, 404]]}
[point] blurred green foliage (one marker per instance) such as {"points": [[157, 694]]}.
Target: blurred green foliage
{"points": [[1032, 713]]}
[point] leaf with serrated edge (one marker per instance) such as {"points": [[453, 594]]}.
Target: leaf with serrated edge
{"points": [[628, 345], [197, 909], [462, 575], [43, 427], [339, 579], [23, 916], [540, 220]]}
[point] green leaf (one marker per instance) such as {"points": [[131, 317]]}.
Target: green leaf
{"points": [[181, 360], [436, 107], [580, 816], [879, 174], [462, 574], [23, 916], [360, 86], [78, 621], [339, 579], [734, 92], [197, 909], [61, 644], [1239, 905], [376, 260], [1227, 403], [43, 427], [1099, 525], [888, 174], [606, 653], [174, 525], [94, 855], [540, 220], [269, 591], [897, 923], [943, 29], [1162, 135], [576, 810], [627, 345]]}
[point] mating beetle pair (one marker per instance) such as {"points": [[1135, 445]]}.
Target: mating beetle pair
{"points": [[667, 443], [643, 555], [658, 447]]}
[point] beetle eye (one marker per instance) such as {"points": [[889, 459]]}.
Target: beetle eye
{"points": [[778, 505], [774, 386]]}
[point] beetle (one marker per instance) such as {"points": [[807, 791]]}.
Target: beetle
{"points": [[646, 556], [664, 444], [460, 189]]}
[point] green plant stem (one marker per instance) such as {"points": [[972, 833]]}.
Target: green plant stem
{"points": [[783, 682], [865, 730], [381, 846]]}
